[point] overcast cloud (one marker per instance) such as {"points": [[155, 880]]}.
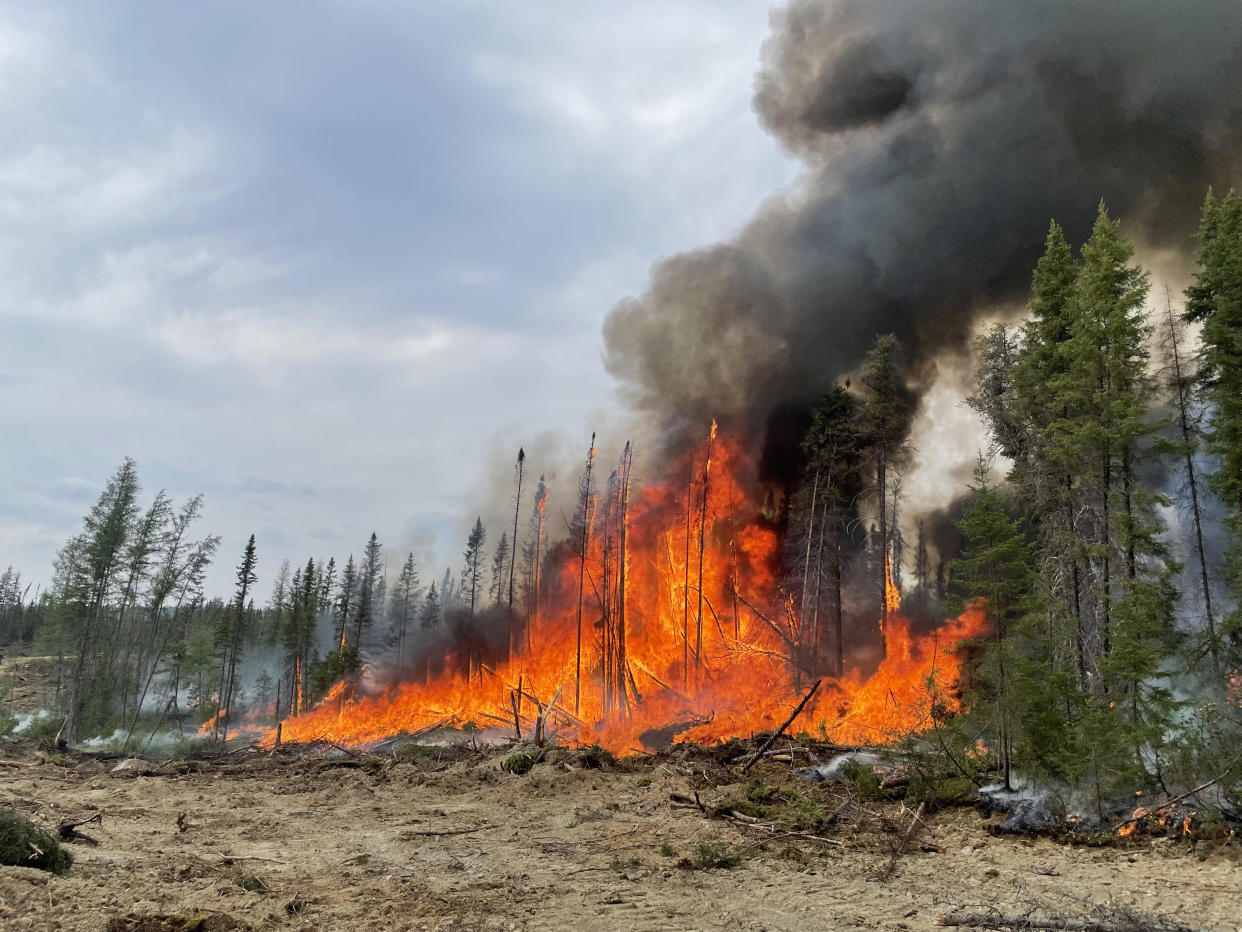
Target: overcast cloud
{"points": [[320, 261]]}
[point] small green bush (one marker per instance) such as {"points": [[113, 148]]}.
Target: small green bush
{"points": [[251, 883], [24, 844], [862, 775], [519, 762], [708, 856]]}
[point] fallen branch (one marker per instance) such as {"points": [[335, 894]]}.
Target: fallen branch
{"points": [[68, 830], [780, 731], [1177, 799], [450, 831], [996, 920], [904, 843]]}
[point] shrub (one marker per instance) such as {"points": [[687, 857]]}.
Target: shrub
{"points": [[24, 844]]}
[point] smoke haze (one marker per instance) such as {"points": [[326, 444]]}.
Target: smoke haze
{"points": [[939, 139]]}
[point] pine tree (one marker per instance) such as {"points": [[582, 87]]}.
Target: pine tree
{"points": [[1215, 301], [404, 595], [87, 571], [345, 607], [472, 572], [500, 566], [369, 578], [429, 623], [1179, 383], [327, 580], [993, 571], [820, 513], [471, 584], [234, 634], [1107, 394], [887, 418]]}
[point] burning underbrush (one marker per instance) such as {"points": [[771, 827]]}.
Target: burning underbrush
{"points": [[664, 616]]}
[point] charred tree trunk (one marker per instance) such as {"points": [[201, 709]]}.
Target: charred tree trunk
{"points": [[517, 508], [582, 555]]}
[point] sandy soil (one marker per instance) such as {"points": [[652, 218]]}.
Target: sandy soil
{"points": [[562, 847]]}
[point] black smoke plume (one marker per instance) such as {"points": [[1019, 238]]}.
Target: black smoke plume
{"points": [[939, 138]]}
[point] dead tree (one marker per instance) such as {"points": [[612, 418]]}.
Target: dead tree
{"points": [[698, 633], [517, 508], [585, 510], [1181, 385]]}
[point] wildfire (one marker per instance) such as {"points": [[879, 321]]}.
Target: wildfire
{"points": [[684, 629], [1170, 815], [892, 595]]}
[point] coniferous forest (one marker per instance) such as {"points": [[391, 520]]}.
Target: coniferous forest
{"points": [[1101, 538]]}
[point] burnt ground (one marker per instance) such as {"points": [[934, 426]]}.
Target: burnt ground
{"points": [[448, 839]]}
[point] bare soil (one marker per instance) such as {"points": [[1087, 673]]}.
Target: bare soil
{"points": [[355, 844]]}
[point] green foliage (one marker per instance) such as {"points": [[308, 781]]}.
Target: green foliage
{"points": [[251, 883], [520, 762], [1215, 301], [711, 856], [24, 844], [863, 776], [666, 850]]}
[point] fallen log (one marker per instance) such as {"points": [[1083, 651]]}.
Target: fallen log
{"points": [[780, 731], [995, 920]]}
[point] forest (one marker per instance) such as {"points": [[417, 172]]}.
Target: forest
{"points": [[1081, 601]]}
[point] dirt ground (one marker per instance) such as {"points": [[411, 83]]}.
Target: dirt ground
{"points": [[322, 845]]}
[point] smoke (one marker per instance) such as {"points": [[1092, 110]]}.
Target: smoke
{"points": [[939, 139]]}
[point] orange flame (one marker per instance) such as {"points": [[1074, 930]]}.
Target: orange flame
{"points": [[645, 672]]}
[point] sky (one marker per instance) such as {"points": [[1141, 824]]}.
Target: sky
{"points": [[329, 263]]}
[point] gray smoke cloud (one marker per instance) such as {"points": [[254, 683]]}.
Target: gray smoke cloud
{"points": [[939, 138]]}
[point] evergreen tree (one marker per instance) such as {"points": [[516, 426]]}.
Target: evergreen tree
{"points": [[345, 606], [887, 415], [820, 514], [429, 623], [500, 567], [472, 574], [404, 594], [300, 634], [369, 579], [1215, 301], [993, 571], [327, 581], [87, 572], [233, 634]]}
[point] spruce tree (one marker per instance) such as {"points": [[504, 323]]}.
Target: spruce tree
{"points": [[472, 573], [429, 624], [404, 594], [1215, 301], [369, 579], [994, 572], [234, 632], [887, 417]]}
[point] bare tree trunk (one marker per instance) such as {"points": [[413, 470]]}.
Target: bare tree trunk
{"points": [[1182, 400], [517, 507], [582, 554], [698, 636], [685, 588], [882, 482]]}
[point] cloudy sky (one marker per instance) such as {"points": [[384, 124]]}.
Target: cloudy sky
{"points": [[325, 262]]}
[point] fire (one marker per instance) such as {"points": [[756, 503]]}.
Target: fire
{"points": [[892, 595], [675, 597], [1159, 817]]}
